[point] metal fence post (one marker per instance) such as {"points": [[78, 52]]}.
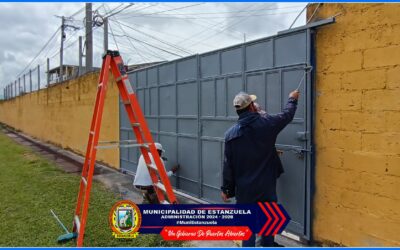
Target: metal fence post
{"points": [[24, 84], [30, 80], [48, 73], [80, 57], [38, 76], [19, 86]]}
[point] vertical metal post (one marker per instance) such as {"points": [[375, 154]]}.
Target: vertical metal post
{"points": [[89, 38], [48, 72], [19, 85], [24, 84], [62, 48], [30, 80], [38, 77], [80, 71], [105, 34], [15, 90]]}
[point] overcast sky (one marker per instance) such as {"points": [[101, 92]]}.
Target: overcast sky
{"points": [[144, 32]]}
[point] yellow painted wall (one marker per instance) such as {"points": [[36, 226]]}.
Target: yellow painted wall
{"points": [[357, 199], [62, 115]]}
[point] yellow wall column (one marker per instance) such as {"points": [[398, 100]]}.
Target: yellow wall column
{"points": [[357, 199]]}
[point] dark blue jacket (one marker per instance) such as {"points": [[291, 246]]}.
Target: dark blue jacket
{"points": [[251, 163]]}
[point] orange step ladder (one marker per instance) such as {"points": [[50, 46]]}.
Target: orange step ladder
{"points": [[112, 60]]}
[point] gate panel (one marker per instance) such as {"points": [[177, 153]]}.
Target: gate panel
{"points": [[188, 105]]}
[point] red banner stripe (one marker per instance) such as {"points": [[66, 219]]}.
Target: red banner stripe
{"points": [[268, 216], [282, 217], [275, 219]]}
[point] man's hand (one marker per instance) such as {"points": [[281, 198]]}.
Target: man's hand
{"points": [[175, 168], [224, 197], [294, 94]]}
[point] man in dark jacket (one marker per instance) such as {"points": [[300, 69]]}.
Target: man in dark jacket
{"points": [[251, 163]]}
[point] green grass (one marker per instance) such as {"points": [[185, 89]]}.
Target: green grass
{"points": [[30, 186]]}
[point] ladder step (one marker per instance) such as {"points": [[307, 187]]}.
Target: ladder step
{"points": [[152, 166], [84, 180], [165, 202], [91, 132], [135, 124], [160, 186], [100, 85], [135, 145], [120, 142], [77, 223], [126, 102]]}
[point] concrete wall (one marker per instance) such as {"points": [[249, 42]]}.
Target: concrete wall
{"points": [[357, 199], [62, 115]]}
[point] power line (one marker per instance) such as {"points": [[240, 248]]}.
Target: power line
{"points": [[206, 30], [164, 33], [145, 46], [117, 12], [78, 12], [242, 19], [157, 39], [163, 11], [153, 46], [201, 23], [146, 7], [222, 12], [221, 17], [137, 51], [107, 13], [41, 50], [112, 33]]}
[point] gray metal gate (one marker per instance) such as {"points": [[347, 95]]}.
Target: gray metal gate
{"points": [[188, 107]]}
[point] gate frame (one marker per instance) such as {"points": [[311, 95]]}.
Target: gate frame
{"points": [[309, 114]]}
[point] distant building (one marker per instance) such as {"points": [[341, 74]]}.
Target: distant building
{"points": [[72, 71], [69, 72]]}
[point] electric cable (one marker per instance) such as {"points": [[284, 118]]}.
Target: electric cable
{"points": [[157, 39], [40, 51]]}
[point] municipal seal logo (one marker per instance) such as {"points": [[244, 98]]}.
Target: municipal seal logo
{"points": [[125, 219]]}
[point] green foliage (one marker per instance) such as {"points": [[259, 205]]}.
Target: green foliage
{"points": [[30, 186]]}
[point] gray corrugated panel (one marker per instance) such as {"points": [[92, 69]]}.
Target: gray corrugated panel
{"points": [[188, 104]]}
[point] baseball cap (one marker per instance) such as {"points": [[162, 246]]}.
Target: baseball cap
{"points": [[159, 146], [242, 100]]}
